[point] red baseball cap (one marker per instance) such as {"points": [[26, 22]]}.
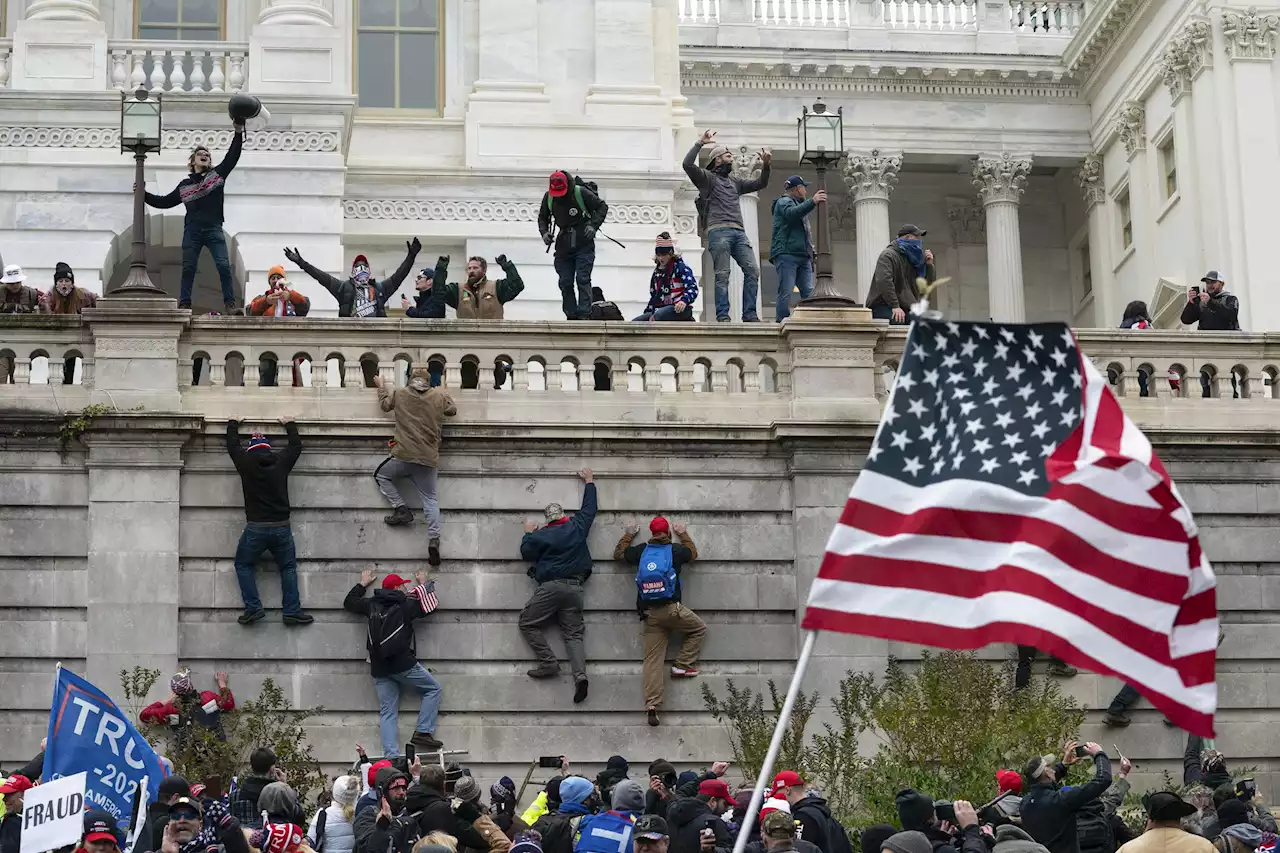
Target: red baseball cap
{"points": [[719, 790], [372, 774], [100, 829], [785, 779], [558, 185], [394, 582], [16, 783]]}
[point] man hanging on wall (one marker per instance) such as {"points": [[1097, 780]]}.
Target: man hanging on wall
{"points": [[577, 212], [202, 193]]}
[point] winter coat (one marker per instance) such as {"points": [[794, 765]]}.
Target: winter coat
{"points": [[266, 305], [80, 299], [435, 813], [686, 818], [1014, 839], [894, 280], [24, 300], [485, 299], [571, 218], [202, 192], [414, 606], [376, 834], [1220, 314], [1048, 812], [814, 816], [420, 418], [790, 227], [682, 553], [718, 194], [339, 833], [349, 292], [1163, 839], [11, 833], [429, 304], [496, 840], [264, 477], [559, 550], [799, 845], [680, 286], [653, 804], [158, 713]]}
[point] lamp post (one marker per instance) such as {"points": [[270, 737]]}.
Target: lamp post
{"points": [[820, 138], [140, 133]]}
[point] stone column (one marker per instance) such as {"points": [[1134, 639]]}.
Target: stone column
{"points": [[870, 179], [1089, 178], [72, 47], [63, 10], [625, 72], [746, 167], [1001, 180]]}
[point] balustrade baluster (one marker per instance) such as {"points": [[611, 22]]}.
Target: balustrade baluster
{"points": [[353, 374], [552, 374], [139, 75], [319, 374], [653, 377], [22, 371], [586, 377], [197, 70], [216, 76], [618, 374], [157, 70], [235, 80], [4, 67], [119, 69], [453, 375], [684, 377], [178, 75], [520, 375], [720, 379]]}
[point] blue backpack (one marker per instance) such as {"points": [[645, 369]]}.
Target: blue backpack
{"points": [[656, 578], [608, 832]]}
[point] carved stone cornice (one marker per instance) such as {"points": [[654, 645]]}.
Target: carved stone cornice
{"points": [[1250, 36], [1188, 54], [1102, 29], [871, 175], [968, 221], [1001, 178], [495, 211], [318, 141], [1089, 179], [1131, 127]]}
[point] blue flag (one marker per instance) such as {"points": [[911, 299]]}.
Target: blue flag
{"points": [[87, 732]]}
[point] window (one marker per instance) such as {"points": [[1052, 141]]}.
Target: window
{"points": [[1126, 219], [1086, 269], [398, 54], [1169, 167], [180, 20]]}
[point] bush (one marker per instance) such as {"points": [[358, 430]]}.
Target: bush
{"points": [[751, 727], [944, 727]]}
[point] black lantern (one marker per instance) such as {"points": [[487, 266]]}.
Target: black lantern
{"points": [[141, 132], [820, 141]]}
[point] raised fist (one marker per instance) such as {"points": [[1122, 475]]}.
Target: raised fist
{"points": [[501, 260], [414, 245]]}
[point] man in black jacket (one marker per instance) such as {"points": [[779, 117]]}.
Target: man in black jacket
{"points": [[1211, 306], [667, 789], [689, 817], [917, 814], [243, 802], [172, 788], [264, 479], [202, 193], [429, 802], [393, 653], [578, 212], [390, 828], [429, 301], [11, 826], [1048, 812], [361, 295]]}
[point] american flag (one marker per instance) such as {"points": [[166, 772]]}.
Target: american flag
{"points": [[426, 594], [1007, 499]]}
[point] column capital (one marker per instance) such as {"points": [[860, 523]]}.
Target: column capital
{"points": [[870, 175], [1089, 179], [1002, 177], [63, 10], [968, 221], [1131, 127], [306, 12], [746, 163], [1250, 36], [1187, 55]]}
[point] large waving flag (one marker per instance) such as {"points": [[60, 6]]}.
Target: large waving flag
{"points": [[1007, 499], [87, 732]]}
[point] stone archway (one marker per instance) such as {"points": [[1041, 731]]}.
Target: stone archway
{"points": [[164, 263]]}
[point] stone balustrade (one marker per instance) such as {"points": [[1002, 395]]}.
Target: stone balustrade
{"points": [[1049, 17], [185, 66], [6, 51]]}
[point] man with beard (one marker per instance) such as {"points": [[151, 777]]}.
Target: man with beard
{"points": [[191, 829], [481, 298], [390, 827], [360, 295]]}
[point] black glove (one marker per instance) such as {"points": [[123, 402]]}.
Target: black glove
{"points": [[292, 255], [414, 246], [502, 260], [443, 259], [467, 811], [547, 238], [588, 232]]}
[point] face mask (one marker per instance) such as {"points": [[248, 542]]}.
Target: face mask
{"points": [[723, 169], [361, 274], [64, 288]]}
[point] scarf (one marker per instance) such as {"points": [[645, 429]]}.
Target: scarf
{"points": [[914, 253], [574, 809], [215, 812]]}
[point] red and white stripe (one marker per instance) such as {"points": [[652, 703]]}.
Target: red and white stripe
{"points": [[1104, 571]]}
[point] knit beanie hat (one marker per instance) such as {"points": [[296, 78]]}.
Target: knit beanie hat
{"points": [[659, 526], [873, 837], [628, 796], [467, 789], [575, 789], [911, 841], [61, 271], [345, 790], [277, 270], [662, 768], [528, 842], [914, 809], [181, 684], [453, 772], [776, 804], [664, 244], [257, 443]]}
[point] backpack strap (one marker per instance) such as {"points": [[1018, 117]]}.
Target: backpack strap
{"points": [[320, 822]]}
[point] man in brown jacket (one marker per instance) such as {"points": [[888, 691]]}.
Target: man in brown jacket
{"points": [[480, 297], [900, 265], [415, 451], [658, 594]]}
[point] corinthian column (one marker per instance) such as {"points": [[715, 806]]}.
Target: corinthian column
{"points": [[870, 179], [1000, 180], [63, 10], [296, 12]]}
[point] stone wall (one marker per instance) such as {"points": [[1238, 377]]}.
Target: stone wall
{"points": [[118, 545]]}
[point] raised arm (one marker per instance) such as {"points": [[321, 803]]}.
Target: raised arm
{"points": [[696, 173], [511, 286], [233, 153], [745, 187], [620, 550], [233, 440], [289, 456], [792, 210], [393, 281], [331, 284], [164, 202]]}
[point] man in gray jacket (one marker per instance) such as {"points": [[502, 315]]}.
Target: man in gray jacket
{"points": [[718, 206]]}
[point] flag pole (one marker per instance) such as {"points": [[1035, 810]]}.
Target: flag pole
{"points": [[775, 745]]}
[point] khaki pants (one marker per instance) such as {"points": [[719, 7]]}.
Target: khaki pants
{"points": [[659, 622]]}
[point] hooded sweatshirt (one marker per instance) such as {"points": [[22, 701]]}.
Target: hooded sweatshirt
{"points": [[202, 192], [264, 476], [718, 193], [614, 772], [572, 218], [687, 817], [413, 605], [420, 412]]}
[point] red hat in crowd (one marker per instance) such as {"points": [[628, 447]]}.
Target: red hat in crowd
{"points": [[659, 526], [718, 789], [16, 783], [394, 582], [785, 779], [1010, 781], [372, 773], [559, 184]]}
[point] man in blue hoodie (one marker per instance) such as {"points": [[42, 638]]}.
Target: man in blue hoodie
{"points": [[559, 828], [561, 565]]}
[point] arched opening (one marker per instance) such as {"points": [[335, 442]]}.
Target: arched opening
{"points": [[435, 370], [268, 367], [470, 372], [1178, 380], [404, 369], [768, 376], [603, 372], [369, 367], [164, 264], [569, 374], [669, 371], [335, 370], [233, 375], [702, 375], [736, 375], [635, 374], [502, 373], [1145, 387], [73, 367], [537, 374]]}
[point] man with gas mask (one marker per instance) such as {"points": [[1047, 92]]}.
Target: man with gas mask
{"points": [[202, 193], [360, 295]]}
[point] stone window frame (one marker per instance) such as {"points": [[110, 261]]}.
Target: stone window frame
{"points": [[1122, 204], [209, 32], [438, 31], [1166, 145]]}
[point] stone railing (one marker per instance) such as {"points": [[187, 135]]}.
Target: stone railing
{"points": [[177, 66], [6, 51], [1052, 17], [34, 349]]}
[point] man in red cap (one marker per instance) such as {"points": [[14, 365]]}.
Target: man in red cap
{"points": [[360, 295], [11, 827], [577, 211], [808, 809], [393, 653], [658, 593], [695, 822]]}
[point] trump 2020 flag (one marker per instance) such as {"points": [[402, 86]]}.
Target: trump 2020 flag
{"points": [[87, 732], [1007, 499]]}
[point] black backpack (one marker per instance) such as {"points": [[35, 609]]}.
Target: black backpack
{"points": [[605, 311], [578, 186], [390, 634], [1093, 829], [837, 836]]}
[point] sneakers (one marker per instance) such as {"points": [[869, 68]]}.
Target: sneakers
{"points": [[184, 306], [653, 716], [400, 515], [433, 551], [250, 616], [427, 741], [299, 618], [231, 309], [680, 672], [722, 319], [544, 672], [580, 692], [1116, 720], [1061, 670]]}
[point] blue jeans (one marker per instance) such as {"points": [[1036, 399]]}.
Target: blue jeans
{"points": [[256, 540], [794, 271], [577, 265], [884, 312], [388, 688], [726, 243], [667, 312], [195, 238]]}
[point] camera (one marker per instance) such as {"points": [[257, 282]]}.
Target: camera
{"points": [[1082, 752], [1246, 789], [945, 810], [550, 761], [1195, 291]]}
